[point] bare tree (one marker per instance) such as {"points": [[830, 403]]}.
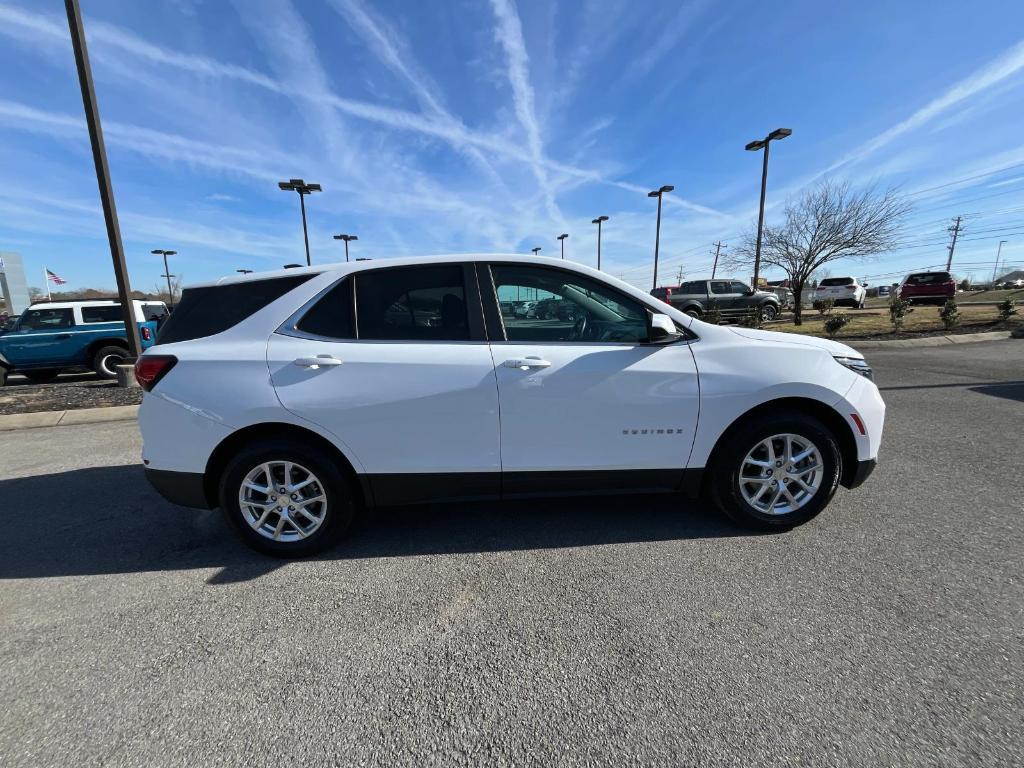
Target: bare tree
{"points": [[827, 223], [160, 290]]}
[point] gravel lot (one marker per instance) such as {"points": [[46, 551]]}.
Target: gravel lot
{"points": [[70, 391], [632, 631]]}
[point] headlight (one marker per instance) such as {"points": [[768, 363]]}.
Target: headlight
{"points": [[857, 365]]}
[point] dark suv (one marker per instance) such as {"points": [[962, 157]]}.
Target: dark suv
{"points": [[732, 298]]}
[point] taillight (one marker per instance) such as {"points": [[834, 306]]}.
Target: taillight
{"points": [[149, 369], [147, 335]]}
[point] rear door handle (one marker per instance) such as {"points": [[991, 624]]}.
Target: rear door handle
{"points": [[526, 363], [319, 361]]}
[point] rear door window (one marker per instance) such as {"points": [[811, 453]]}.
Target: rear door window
{"points": [[412, 304], [209, 310]]}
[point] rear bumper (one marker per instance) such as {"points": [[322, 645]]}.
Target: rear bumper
{"points": [[187, 489], [862, 472]]}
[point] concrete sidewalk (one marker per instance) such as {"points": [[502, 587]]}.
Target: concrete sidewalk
{"points": [[63, 418]]}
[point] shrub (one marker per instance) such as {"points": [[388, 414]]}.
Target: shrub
{"points": [[751, 319], [1007, 309], [836, 323], [824, 306], [898, 310], [712, 314], [950, 314]]}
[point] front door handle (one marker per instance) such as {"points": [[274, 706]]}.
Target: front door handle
{"points": [[526, 363], [320, 361]]}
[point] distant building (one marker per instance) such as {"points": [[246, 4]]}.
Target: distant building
{"points": [[13, 287]]}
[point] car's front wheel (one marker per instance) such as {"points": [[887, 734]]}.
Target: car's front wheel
{"points": [[776, 472], [769, 312], [286, 499]]}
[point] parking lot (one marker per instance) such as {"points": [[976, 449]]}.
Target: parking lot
{"points": [[625, 631]]}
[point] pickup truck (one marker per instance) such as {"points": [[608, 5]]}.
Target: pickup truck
{"points": [[732, 298], [53, 336]]}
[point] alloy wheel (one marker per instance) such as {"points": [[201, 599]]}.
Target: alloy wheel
{"points": [[282, 501], [781, 474]]}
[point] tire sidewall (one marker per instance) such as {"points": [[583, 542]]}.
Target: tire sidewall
{"points": [[725, 482], [101, 354], [337, 488]]}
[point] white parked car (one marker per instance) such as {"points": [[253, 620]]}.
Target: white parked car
{"points": [[842, 291], [293, 400]]}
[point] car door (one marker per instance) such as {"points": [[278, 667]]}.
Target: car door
{"points": [[586, 403], [43, 337], [393, 362], [725, 297]]}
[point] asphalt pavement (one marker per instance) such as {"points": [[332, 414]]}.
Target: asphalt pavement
{"points": [[628, 631]]}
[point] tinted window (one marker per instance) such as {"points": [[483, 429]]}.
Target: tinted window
{"points": [[153, 311], [569, 307], [107, 314], [720, 286], [737, 287], [212, 309], [331, 316], [835, 281], [46, 319], [412, 303], [929, 278], [696, 286]]}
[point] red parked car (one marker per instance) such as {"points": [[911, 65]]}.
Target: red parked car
{"points": [[928, 287]]}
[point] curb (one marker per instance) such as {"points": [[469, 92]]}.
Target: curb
{"points": [[67, 418], [928, 341]]}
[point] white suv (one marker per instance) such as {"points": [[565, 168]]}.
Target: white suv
{"points": [[842, 290], [293, 400]]}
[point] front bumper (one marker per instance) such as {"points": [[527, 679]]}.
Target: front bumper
{"points": [[861, 473], [187, 489]]}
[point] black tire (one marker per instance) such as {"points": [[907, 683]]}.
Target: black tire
{"points": [[3, 376], [106, 359], [729, 457], [43, 376], [769, 312], [693, 312], [340, 501]]}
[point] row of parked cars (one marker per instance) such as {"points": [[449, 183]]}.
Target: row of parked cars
{"points": [[51, 337]]}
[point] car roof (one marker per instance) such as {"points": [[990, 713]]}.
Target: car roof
{"points": [[343, 267], [88, 303]]}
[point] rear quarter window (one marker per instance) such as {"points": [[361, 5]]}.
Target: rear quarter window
{"points": [[108, 314], [209, 310]]}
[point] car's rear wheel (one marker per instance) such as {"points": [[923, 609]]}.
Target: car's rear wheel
{"points": [[286, 499], [106, 360], [776, 472], [44, 376]]}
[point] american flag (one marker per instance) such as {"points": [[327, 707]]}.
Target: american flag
{"points": [[52, 276]]}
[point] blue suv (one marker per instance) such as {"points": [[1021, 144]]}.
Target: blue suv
{"points": [[49, 338]]}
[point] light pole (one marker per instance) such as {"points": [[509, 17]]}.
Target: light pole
{"points": [[244, 271], [598, 221], [106, 188], [561, 239], [658, 193], [778, 133], [347, 239], [167, 273], [298, 185], [536, 251], [995, 269]]}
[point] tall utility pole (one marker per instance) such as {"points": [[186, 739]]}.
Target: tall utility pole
{"points": [[995, 269], [679, 275], [718, 249], [99, 157], [300, 186], [955, 229], [347, 239], [658, 193], [598, 221], [778, 133], [561, 238], [536, 251], [167, 273]]}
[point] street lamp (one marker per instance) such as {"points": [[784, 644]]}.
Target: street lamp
{"points": [[658, 193], [167, 272], [778, 133], [347, 239], [598, 221], [298, 185], [244, 271], [561, 239], [536, 250]]}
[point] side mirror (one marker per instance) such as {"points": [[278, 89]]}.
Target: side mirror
{"points": [[661, 329]]}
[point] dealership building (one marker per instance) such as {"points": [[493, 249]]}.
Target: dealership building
{"points": [[13, 287]]}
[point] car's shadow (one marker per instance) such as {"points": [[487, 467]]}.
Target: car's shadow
{"points": [[108, 520]]}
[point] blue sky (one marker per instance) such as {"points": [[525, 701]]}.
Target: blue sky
{"points": [[493, 125]]}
